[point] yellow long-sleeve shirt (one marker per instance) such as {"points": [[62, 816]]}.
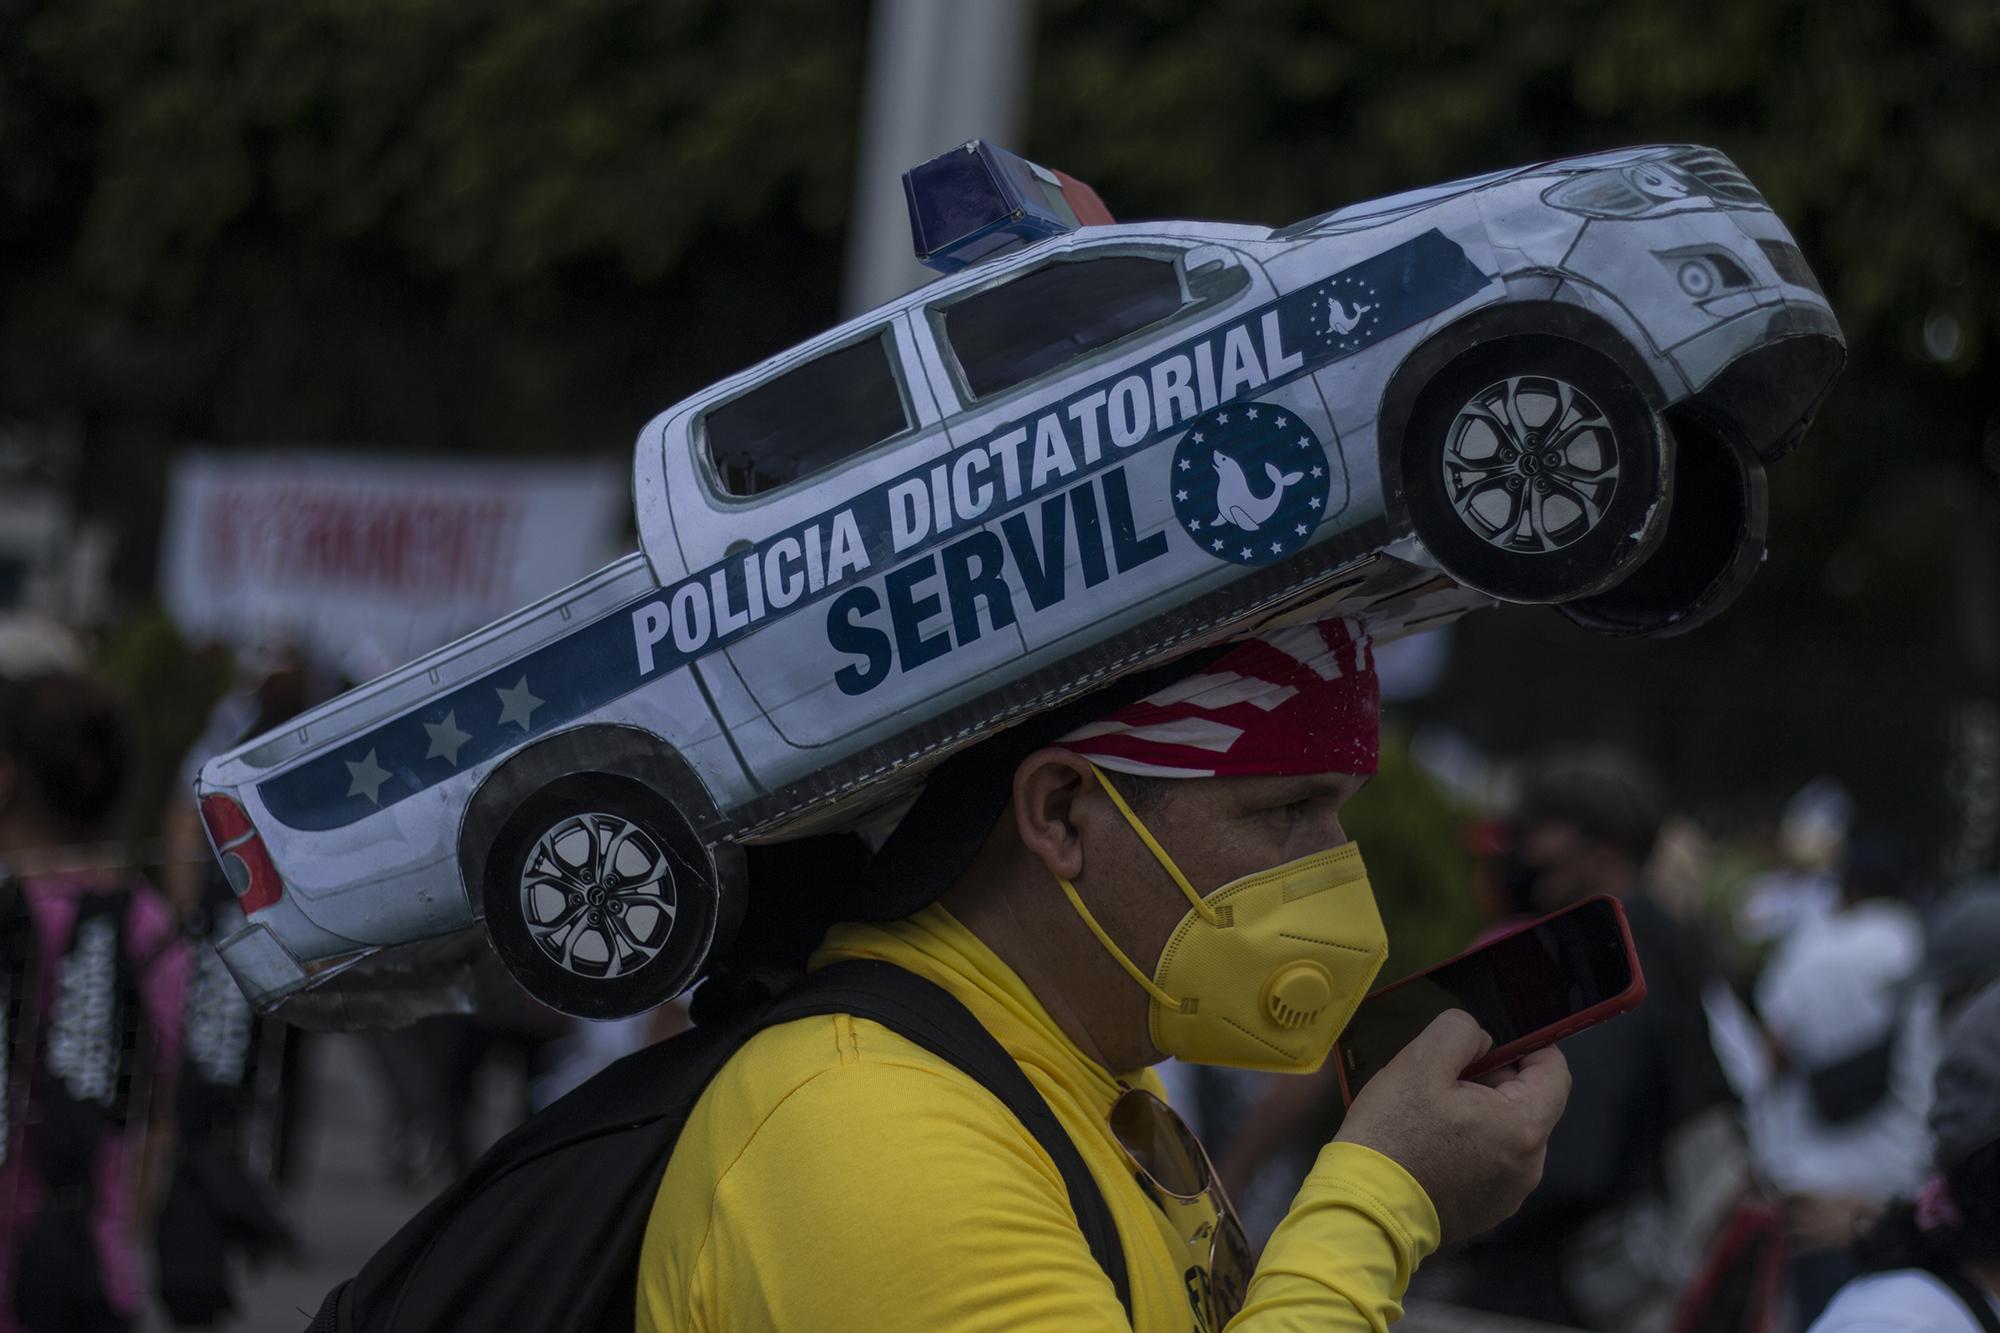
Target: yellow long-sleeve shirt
{"points": [[836, 1176]]}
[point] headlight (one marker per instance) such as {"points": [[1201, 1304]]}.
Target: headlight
{"points": [[1621, 192], [1597, 194]]}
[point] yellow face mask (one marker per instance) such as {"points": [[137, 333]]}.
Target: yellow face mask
{"points": [[1264, 972]]}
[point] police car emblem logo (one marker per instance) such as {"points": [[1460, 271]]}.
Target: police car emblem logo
{"points": [[1345, 313], [1249, 482]]}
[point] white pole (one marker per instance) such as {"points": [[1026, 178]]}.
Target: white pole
{"points": [[940, 72]]}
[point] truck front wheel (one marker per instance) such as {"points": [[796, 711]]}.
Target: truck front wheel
{"points": [[1534, 471]]}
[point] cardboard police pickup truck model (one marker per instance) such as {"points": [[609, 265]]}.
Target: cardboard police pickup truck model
{"points": [[1059, 463]]}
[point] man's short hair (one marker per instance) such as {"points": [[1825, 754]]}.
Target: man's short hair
{"points": [[1144, 794], [1606, 795]]}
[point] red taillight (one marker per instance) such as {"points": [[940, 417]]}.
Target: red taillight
{"points": [[226, 821], [245, 863]]}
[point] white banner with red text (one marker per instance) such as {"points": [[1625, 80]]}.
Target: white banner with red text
{"points": [[364, 562]]}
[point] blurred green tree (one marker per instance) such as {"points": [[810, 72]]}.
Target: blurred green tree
{"points": [[1870, 127], [1867, 126], [515, 226], [498, 168], [415, 223], [1409, 831], [169, 687]]}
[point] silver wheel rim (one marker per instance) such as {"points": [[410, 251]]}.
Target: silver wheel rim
{"points": [[597, 895], [1530, 464]]}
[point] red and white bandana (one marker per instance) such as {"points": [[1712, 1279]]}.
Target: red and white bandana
{"points": [[1292, 701]]}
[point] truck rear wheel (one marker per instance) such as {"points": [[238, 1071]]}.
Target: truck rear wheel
{"points": [[599, 897]]}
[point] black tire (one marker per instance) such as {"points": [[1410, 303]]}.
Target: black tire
{"points": [[1713, 544], [599, 897], [1533, 470]]}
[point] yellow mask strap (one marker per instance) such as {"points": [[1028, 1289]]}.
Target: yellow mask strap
{"points": [[1111, 947], [1202, 909]]}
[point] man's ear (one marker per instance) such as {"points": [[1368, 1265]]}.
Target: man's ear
{"points": [[1046, 786]]}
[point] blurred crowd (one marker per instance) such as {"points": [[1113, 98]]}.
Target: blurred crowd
{"points": [[151, 1120], [1782, 1134], [1804, 1112]]}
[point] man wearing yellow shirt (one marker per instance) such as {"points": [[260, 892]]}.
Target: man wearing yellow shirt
{"points": [[1170, 878]]}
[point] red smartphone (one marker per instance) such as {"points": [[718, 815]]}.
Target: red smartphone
{"points": [[1529, 987]]}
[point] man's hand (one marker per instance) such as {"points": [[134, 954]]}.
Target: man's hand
{"points": [[1476, 1148]]}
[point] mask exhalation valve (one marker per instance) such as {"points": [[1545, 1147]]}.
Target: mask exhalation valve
{"points": [[1296, 993]]}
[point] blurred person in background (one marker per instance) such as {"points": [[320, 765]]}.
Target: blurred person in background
{"points": [[1677, 875], [1931, 1264], [238, 1089], [589, 1047], [513, 1037], [1584, 1249], [1840, 1128], [274, 684], [1812, 843], [1962, 944], [95, 976]]}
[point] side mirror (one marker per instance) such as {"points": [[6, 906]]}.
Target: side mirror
{"points": [[1205, 259], [1213, 271]]}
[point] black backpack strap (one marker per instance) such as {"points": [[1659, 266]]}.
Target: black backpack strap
{"points": [[932, 1018], [1968, 1293]]}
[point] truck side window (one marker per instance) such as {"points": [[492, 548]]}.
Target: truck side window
{"points": [[1029, 326], [812, 416]]}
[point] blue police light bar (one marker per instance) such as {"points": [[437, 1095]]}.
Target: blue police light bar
{"points": [[979, 200]]}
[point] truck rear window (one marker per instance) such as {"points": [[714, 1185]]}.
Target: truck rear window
{"points": [[1024, 328], [815, 414]]}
